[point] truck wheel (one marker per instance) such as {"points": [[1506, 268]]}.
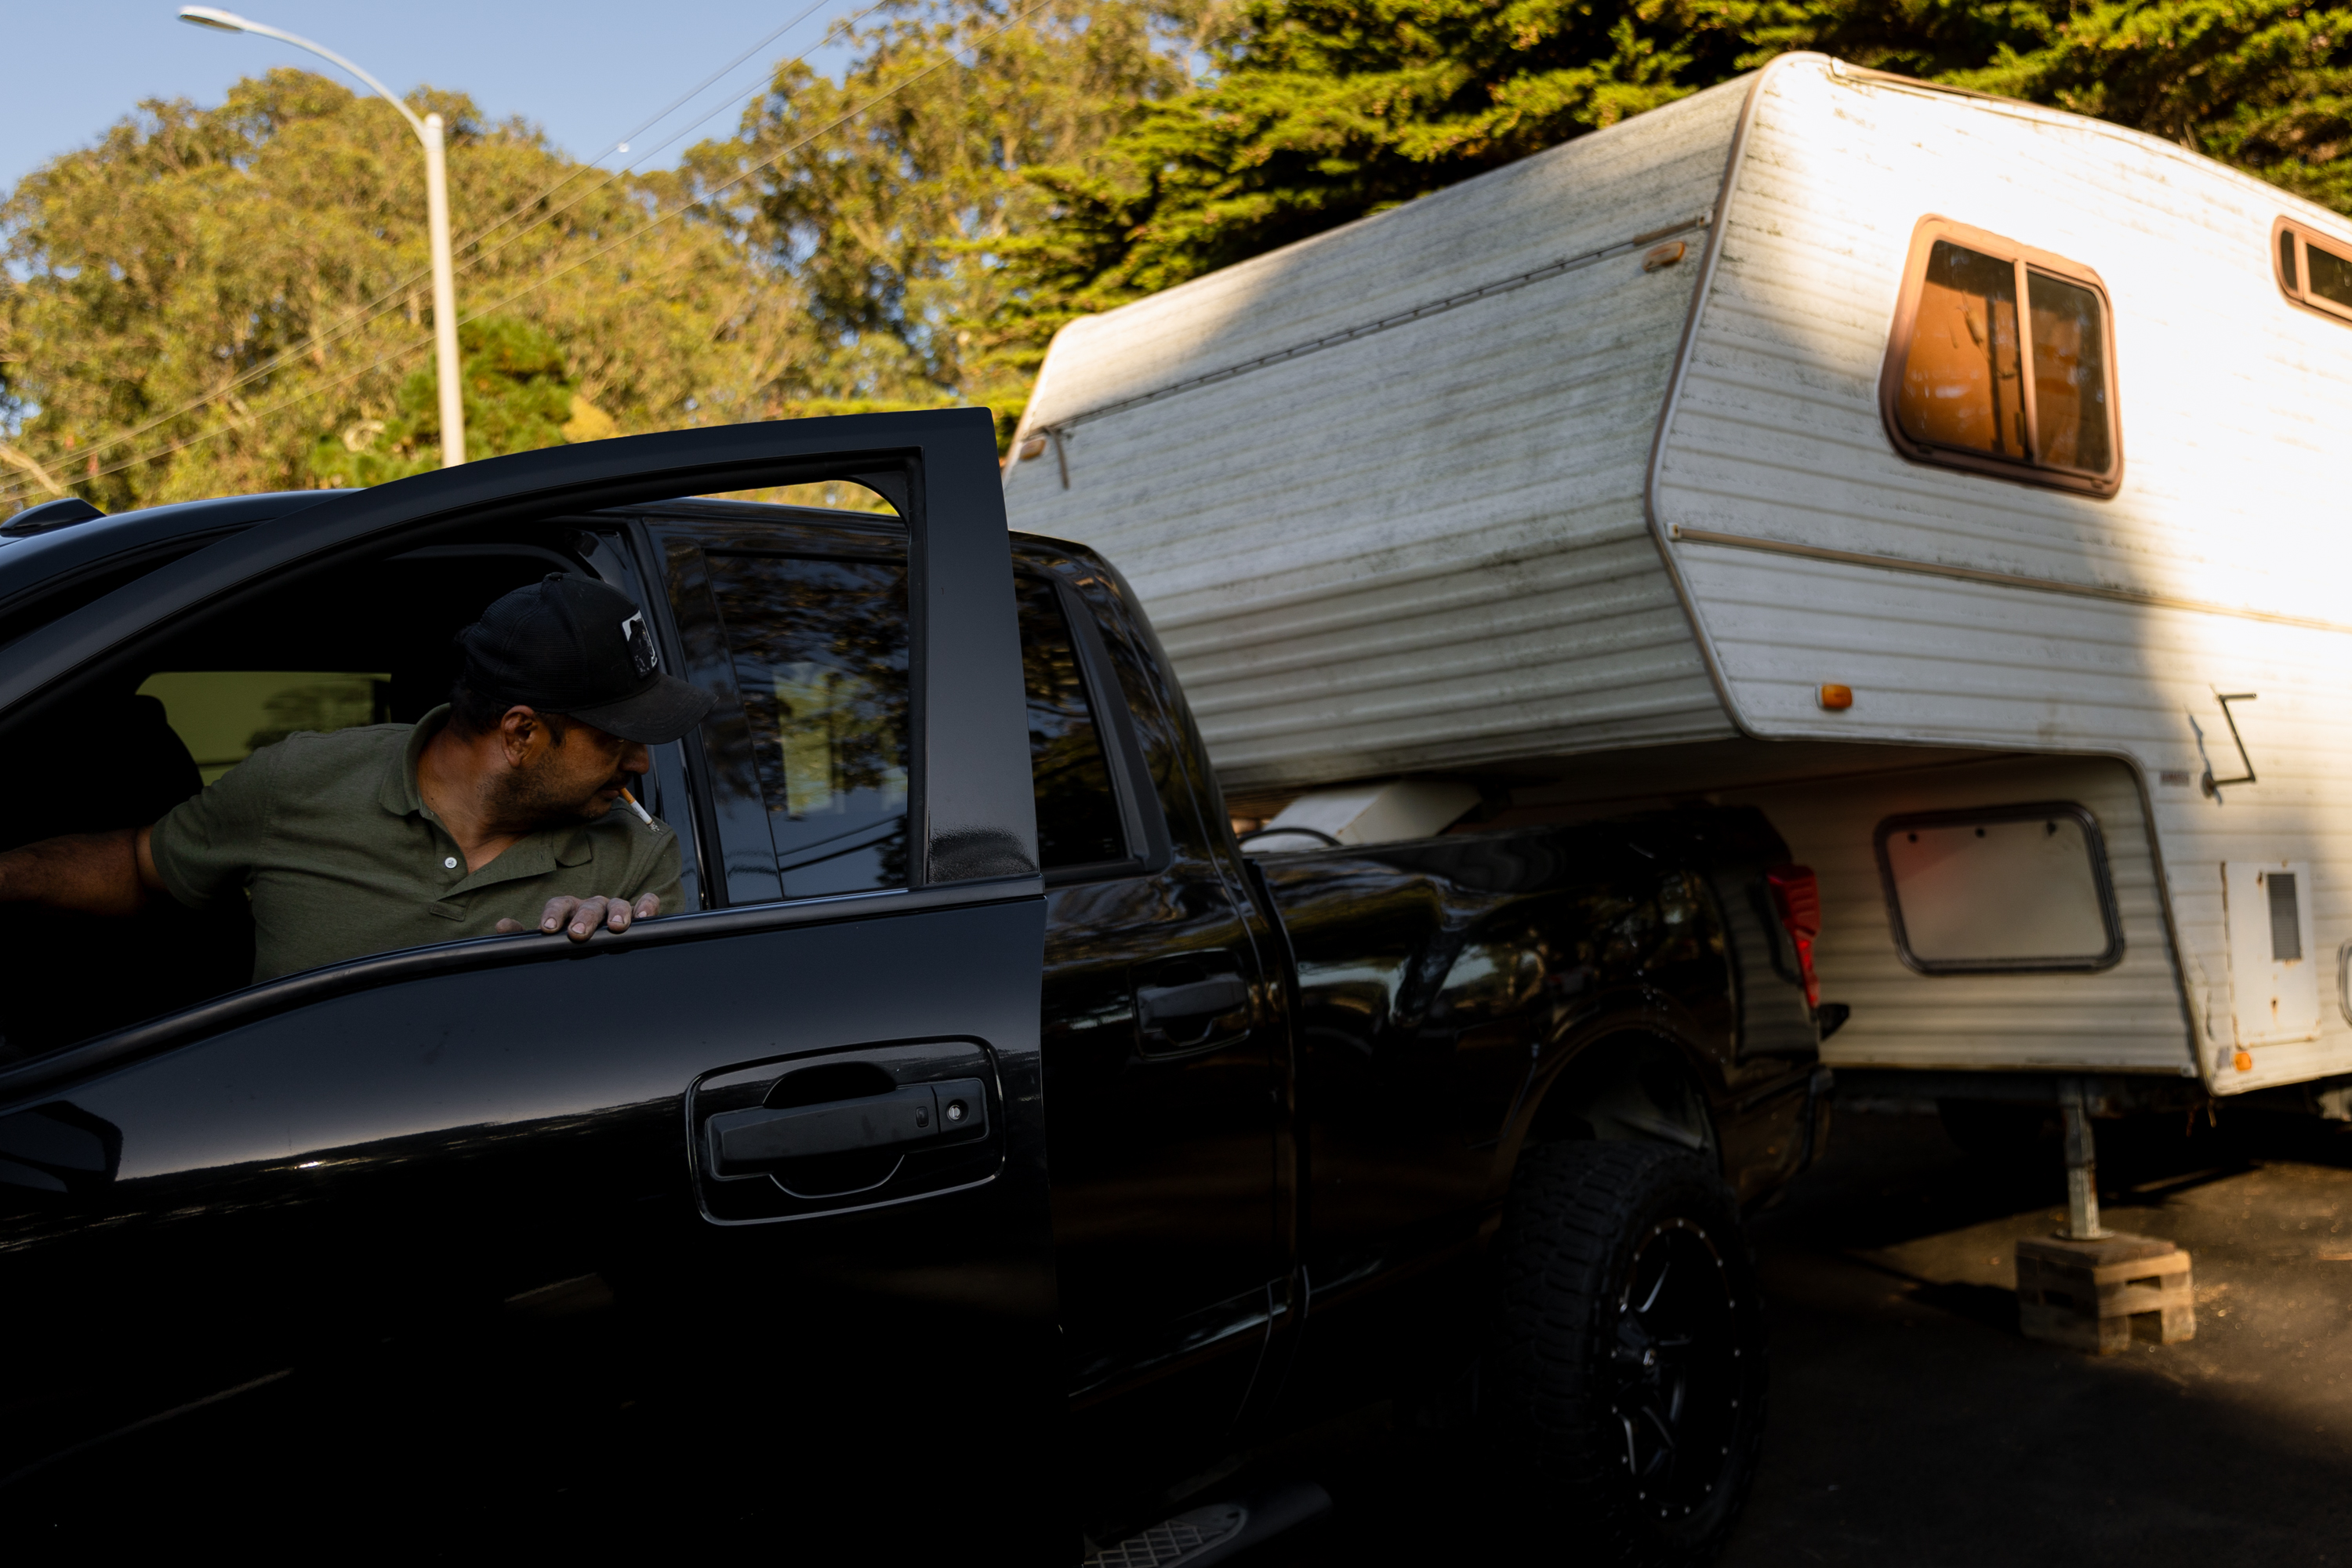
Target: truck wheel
{"points": [[1629, 1361]]}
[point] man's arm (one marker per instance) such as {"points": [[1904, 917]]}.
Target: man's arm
{"points": [[92, 873]]}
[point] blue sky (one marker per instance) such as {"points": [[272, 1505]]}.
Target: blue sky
{"points": [[588, 71]]}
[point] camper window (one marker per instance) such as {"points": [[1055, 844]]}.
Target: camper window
{"points": [[2000, 889], [2314, 272], [1973, 382]]}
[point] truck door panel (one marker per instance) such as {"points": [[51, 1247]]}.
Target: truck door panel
{"points": [[1161, 1050], [456, 1141], [393, 1177]]}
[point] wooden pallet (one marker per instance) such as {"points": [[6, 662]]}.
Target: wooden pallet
{"points": [[2099, 1296]]}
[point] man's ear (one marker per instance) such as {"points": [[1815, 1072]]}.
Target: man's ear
{"points": [[519, 729]]}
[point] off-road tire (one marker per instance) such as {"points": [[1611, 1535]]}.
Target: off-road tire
{"points": [[1622, 1445]]}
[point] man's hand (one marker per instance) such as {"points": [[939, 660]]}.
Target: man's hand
{"points": [[579, 918]]}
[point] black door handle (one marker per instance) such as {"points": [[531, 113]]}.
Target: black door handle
{"points": [[742, 1141], [1180, 1000], [1160, 1005]]}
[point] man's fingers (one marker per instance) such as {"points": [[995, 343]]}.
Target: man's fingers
{"points": [[508, 927], [579, 918]]}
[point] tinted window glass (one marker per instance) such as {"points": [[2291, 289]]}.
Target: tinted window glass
{"points": [[2331, 276], [224, 716], [1999, 362], [1077, 814], [2070, 373], [819, 648], [1960, 385]]}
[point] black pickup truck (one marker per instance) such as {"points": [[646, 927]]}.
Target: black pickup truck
{"points": [[990, 1146]]}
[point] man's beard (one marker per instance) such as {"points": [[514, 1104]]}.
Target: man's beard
{"points": [[535, 797]]}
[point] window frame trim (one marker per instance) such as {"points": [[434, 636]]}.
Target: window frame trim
{"points": [[218, 1016], [1141, 823], [2102, 877], [2025, 261], [701, 528], [2299, 294]]}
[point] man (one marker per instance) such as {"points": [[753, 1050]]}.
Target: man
{"points": [[492, 813]]}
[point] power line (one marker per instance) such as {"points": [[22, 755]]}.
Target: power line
{"points": [[253, 414], [618, 174], [695, 92], [391, 298]]}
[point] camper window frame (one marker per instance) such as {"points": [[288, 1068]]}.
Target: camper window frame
{"points": [[2102, 877], [2027, 259], [2296, 288]]}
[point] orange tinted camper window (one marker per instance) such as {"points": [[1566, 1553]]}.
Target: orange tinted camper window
{"points": [[2070, 373], [1960, 386], [1973, 381], [2314, 271]]}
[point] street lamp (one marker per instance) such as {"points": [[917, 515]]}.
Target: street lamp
{"points": [[437, 201]]}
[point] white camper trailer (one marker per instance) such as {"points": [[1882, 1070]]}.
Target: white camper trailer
{"points": [[1955, 480]]}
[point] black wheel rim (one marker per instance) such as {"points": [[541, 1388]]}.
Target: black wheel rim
{"points": [[1674, 1366]]}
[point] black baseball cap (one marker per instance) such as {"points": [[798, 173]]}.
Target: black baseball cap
{"points": [[573, 646]]}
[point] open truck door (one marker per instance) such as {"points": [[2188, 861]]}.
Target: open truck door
{"points": [[565, 1240]]}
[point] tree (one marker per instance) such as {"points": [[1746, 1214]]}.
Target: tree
{"points": [[517, 396], [892, 221], [1320, 111], [232, 299], [2265, 85], [213, 300]]}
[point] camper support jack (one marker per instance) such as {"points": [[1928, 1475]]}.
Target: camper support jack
{"points": [[2089, 1287], [2082, 1166]]}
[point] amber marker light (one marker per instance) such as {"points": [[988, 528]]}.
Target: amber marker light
{"points": [[2244, 1061], [1836, 699]]}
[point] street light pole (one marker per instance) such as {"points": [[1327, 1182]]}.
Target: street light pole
{"points": [[437, 206], [445, 295]]}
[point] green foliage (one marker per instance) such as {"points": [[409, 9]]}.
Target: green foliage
{"points": [[516, 395], [893, 221], [2263, 84], [172, 284], [1323, 111]]}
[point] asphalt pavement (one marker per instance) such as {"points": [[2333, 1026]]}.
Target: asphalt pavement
{"points": [[1911, 1424]]}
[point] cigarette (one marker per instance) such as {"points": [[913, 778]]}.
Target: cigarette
{"points": [[643, 815]]}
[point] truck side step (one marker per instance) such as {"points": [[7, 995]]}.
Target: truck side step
{"points": [[1217, 1532]]}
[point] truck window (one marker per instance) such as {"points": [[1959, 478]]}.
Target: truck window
{"points": [[2314, 272], [224, 716], [819, 646], [1077, 814], [1973, 380]]}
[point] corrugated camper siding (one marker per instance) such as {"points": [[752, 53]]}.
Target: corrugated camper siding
{"points": [[2230, 519], [1424, 546]]}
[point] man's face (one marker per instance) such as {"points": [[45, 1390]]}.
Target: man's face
{"points": [[576, 780]]}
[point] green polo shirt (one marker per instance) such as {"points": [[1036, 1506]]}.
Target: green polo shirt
{"points": [[342, 857]]}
